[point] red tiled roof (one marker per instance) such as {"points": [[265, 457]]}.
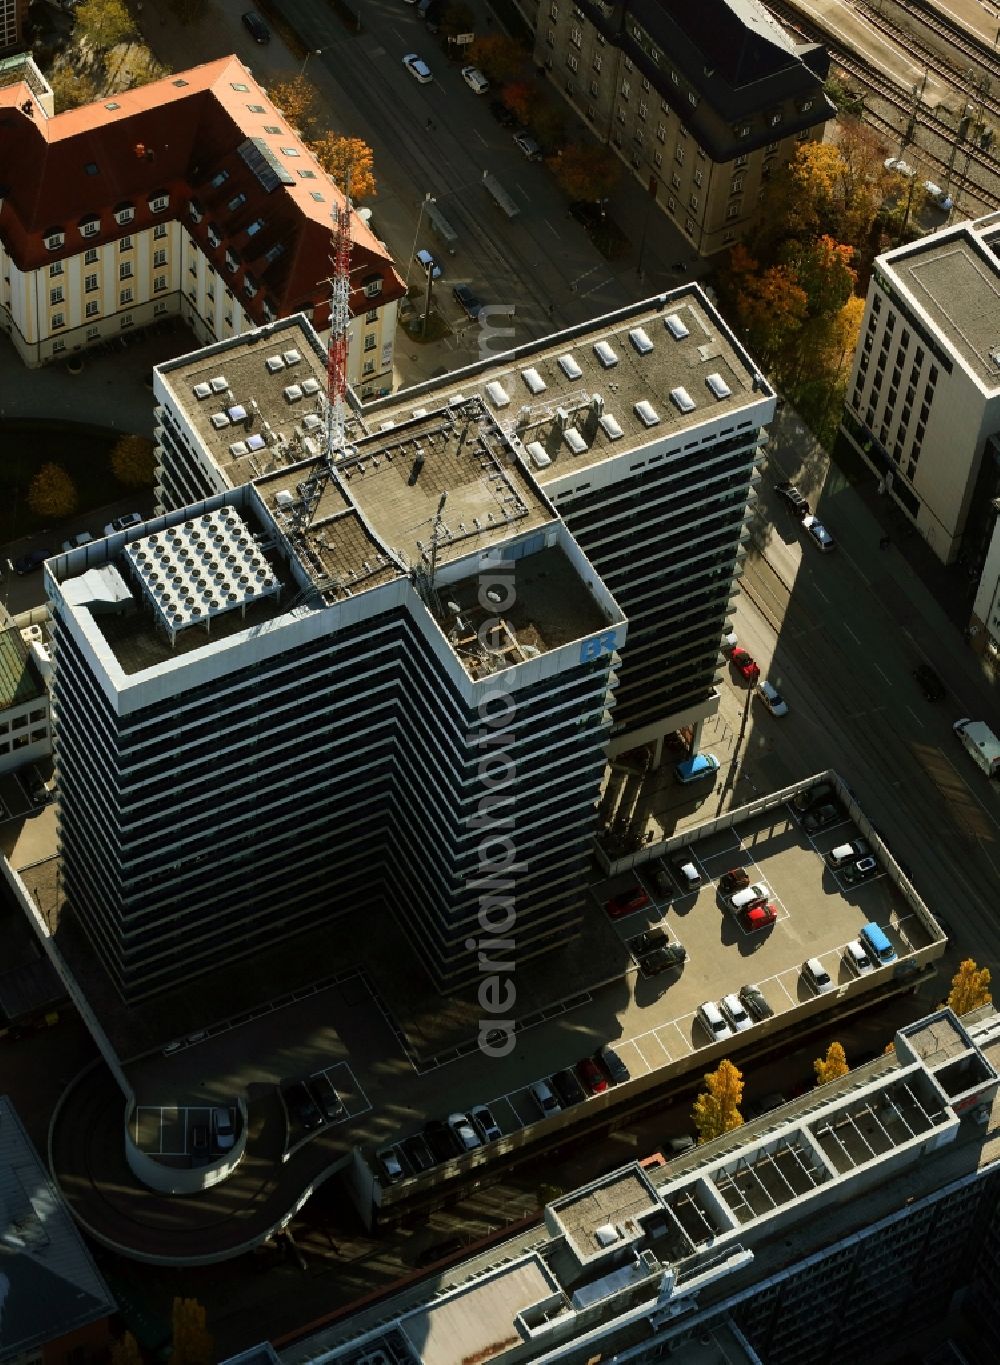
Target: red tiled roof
{"points": [[174, 137]]}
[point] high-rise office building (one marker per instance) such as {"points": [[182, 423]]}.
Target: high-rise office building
{"points": [[831, 1229]]}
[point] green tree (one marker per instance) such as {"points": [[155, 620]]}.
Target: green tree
{"points": [[132, 461], [498, 56], [831, 1066], [192, 1344], [145, 68], [337, 155], [104, 23], [716, 1110], [970, 987], [126, 1351], [72, 90], [585, 172], [52, 492]]}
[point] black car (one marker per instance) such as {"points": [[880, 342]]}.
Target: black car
{"points": [[929, 683], [33, 560], [256, 27], [327, 1098], [300, 1104], [794, 500], [818, 817], [502, 114], [645, 943], [813, 796], [610, 1062], [568, 1089], [662, 959], [464, 296], [199, 1141], [417, 1153], [441, 1140], [753, 1001]]}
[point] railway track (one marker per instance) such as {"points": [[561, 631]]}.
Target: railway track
{"points": [[765, 589], [960, 38]]}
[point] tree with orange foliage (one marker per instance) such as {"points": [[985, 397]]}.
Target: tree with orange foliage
{"points": [[771, 309], [338, 155], [498, 56], [589, 173], [297, 100], [520, 97]]}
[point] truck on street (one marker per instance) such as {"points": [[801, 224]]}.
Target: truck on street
{"points": [[981, 744]]}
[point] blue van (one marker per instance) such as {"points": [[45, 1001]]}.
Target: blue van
{"points": [[694, 768], [873, 939]]}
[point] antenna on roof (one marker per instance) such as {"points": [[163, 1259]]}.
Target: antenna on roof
{"points": [[434, 536]]}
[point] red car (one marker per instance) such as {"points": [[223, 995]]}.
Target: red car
{"points": [[592, 1078], [626, 902], [742, 661], [760, 916]]}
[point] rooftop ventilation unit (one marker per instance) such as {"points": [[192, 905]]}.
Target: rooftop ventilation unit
{"points": [[291, 357], [718, 385], [675, 327], [310, 386], [534, 380], [646, 413], [607, 1234], [274, 363], [574, 440], [606, 354], [569, 367], [537, 452], [682, 399], [202, 390], [497, 394], [611, 426], [293, 392], [639, 338]]}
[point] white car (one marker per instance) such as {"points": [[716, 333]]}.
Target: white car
{"points": [[713, 1022], [475, 80], [857, 959], [772, 699], [464, 1131], [895, 163], [937, 196], [124, 523], [736, 1015], [418, 69], [818, 533], [223, 1132], [817, 976]]}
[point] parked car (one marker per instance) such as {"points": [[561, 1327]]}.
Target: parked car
{"points": [[485, 1124], [677, 1145], [300, 1104], [755, 1002], [735, 1013], [812, 796], [895, 163], [929, 683], [848, 853], [467, 301], [759, 917], [475, 80], [857, 959], [937, 196], [660, 878], [81, 538], [430, 264], [256, 27], [417, 68], [729, 643], [545, 1100], [696, 767], [794, 500], [591, 1077], [441, 1140], [734, 880], [685, 869], [199, 1141], [390, 1167], [464, 1130], [772, 698], [327, 1098], [504, 116], [567, 1088], [33, 560], [417, 1153], [626, 902], [617, 1071], [661, 960], [818, 533], [816, 976], [757, 893], [713, 1021], [223, 1132], [821, 816], [124, 523], [861, 871], [744, 664], [647, 941], [526, 144]]}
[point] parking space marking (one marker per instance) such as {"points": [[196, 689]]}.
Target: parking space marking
{"points": [[884, 675], [633, 1043], [850, 632], [347, 1090], [656, 1035]]}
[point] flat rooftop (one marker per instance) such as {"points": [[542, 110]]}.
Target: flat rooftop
{"points": [[476, 1323], [605, 1213], [544, 393], [955, 279]]}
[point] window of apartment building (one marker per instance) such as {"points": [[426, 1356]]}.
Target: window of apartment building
{"points": [[591, 111], [159, 309], [621, 115], [658, 158], [911, 470], [90, 283], [904, 339], [877, 381], [159, 283], [237, 202], [597, 61], [628, 64], [125, 244], [883, 432], [218, 179], [679, 155], [675, 180], [90, 256], [734, 209], [689, 227], [642, 109], [576, 37], [58, 320], [743, 130], [125, 270], [373, 287], [863, 366], [594, 89], [160, 257], [698, 177], [635, 161], [159, 231], [616, 137], [737, 184], [371, 341], [371, 316], [124, 297], [369, 367], [675, 78], [870, 415], [56, 268], [911, 393], [692, 99], [553, 10], [893, 395], [803, 136], [572, 63], [93, 333], [92, 309], [925, 412], [626, 90], [290, 151], [671, 203], [740, 161], [932, 377], [661, 132], [694, 202], [918, 356], [904, 416], [637, 139], [56, 295]]}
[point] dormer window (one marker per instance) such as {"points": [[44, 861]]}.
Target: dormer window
{"points": [[775, 119], [90, 226], [195, 211], [255, 227], [219, 179], [373, 285], [213, 235], [124, 213], [249, 286], [237, 202], [158, 202], [232, 264], [54, 238]]}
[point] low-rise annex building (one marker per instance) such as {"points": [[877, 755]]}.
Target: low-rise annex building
{"points": [[189, 197]]}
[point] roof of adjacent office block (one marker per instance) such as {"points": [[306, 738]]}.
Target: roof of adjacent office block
{"points": [[20, 681], [954, 278]]}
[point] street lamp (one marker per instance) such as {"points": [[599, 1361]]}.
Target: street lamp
{"points": [[314, 52], [427, 199]]}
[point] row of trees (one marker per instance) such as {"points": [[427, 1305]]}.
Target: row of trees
{"points": [[339, 155], [717, 1108], [52, 492]]}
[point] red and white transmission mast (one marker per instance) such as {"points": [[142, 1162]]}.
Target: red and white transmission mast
{"points": [[340, 318]]}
